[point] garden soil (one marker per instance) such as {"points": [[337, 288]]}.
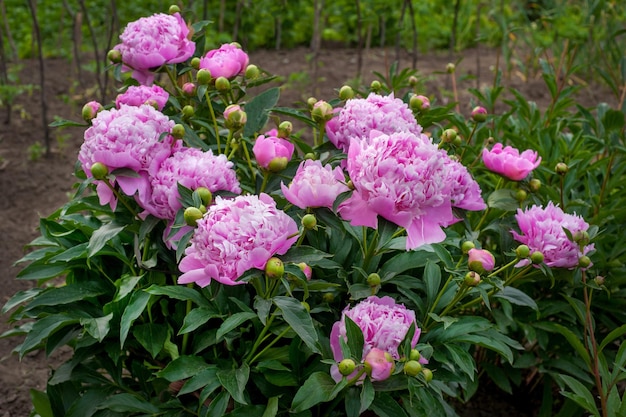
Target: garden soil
{"points": [[33, 185]]}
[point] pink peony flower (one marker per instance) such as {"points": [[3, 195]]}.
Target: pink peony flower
{"points": [[234, 236], [270, 147], [315, 185], [380, 364], [465, 192], [191, 168], [360, 116], [154, 96], [384, 325], [542, 230], [509, 163], [227, 61], [480, 260], [128, 137], [153, 41], [402, 179]]}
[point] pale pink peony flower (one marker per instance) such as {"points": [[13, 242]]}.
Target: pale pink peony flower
{"points": [[465, 192], [402, 179], [153, 41], [128, 137], [315, 185], [384, 325], [509, 162], [236, 235], [154, 96], [359, 117], [269, 147], [227, 61], [542, 230], [480, 260], [191, 168]]}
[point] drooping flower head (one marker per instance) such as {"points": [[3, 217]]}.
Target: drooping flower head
{"points": [[236, 235], [402, 179], [384, 325], [154, 96], [191, 168], [509, 162], [542, 230], [359, 117], [269, 147], [227, 61], [153, 41], [130, 137], [315, 185]]}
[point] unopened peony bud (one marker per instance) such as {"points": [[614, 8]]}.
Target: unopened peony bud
{"points": [[415, 355], [450, 68], [412, 368], [346, 93], [309, 222], [278, 164], [274, 268], [448, 135], [479, 114], [322, 112], [522, 251], [379, 364], [428, 374], [99, 171], [581, 237], [205, 195], [222, 84], [188, 111], [311, 102], [235, 117], [192, 215], [203, 77], [534, 185], [458, 141], [373, 280], [284, 129], [346, 367], [480, 260], [413, 81], [90, 110], [178, 131], [173, 9], [599, 280], [310, 155], [195, 63], [521, 195], [252, 72], [328, 297], [472, 279], [467, 246], [306, 269], [419, 103], [189, 89], [114, 56], [536, 257], [584, 262], [375, 86], [561, 168]]}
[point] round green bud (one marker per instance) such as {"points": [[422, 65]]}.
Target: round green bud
{"points": [[467, 246], [222, 84], [450, 68], [521, 195], [309, 222], [346, 92], [202, 208], [428, 374], [373, 279], [195, 63], [99, 171], [278, 164], [534, 185], [412, 368], [457, 141], [322, 111], [376, 85], [536, 257], [472, 279], [310, 155], [311, 102], [188, 111], [522, 251], [413, 81], [561, 168], [415, 355], [448, 135], [205, 195], [581, 237], [284, 129], [599, 280], [178, 131], [479, 114], [192, 215], [584, 261], [328, 297], [174, 9], [350, 185], [274, 268], [252, 72], [203, 77], [114, 56], [346, 367]]}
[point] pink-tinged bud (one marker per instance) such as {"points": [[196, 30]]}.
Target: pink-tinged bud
{"points": [[346, 367], [189, 89], [252, 72], [192, 215], [413, 81], [203, 77], [472, 279], [479, 114], [274, 268], [379, 364], [306, 269], [114, 56], [278, 164], [269, 149], [419, 103], [235, 117], [480, 260], [322, 112], [284, 129], [90, 110], [599, 280]]}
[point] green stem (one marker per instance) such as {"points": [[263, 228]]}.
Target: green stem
{"points": [[259, 339], [247, 155], [228, 140], [319, 137], [172, 78], [266, 176], [270, 344], [217, 131]]}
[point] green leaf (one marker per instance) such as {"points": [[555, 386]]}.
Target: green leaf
{"points": [[518, 297], [196, 318], [98, 327], [136, 306], [258, 110], [19, 298], [125, 286], [305, 254], [571, 337], [179, 292], [299, 319], [318, 388], [232, 322], [67, 294], [406, 261], [581, 395], [367, 395], [43, 328], [272, 407], [385, 406], [614, 334], [41, 403], [127, 403], [234, 381], [42, 271], [355, 338], [151, 336], [205, 379], [182, 368], [503, 199], [100, 237], [432, 278]]}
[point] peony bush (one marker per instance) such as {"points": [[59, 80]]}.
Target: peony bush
{"points": [[373, 253]]}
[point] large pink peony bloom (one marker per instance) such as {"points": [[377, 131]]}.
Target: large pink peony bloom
{"points": [[542, 230], [509, 162], [227, 61], [465, 192], [315, 185], [153, 41], [138, 95], [269, 147], [234, 236], [384, 325], [131, 137], [191, 168], [402, 179], [359, 117]]}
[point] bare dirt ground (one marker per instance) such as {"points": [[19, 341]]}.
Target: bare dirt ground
{"points": [[34, 187]]}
